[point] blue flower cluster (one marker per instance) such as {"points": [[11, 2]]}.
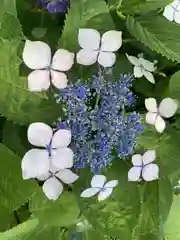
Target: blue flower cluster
{"points": [[54, 6], [96, 114]]}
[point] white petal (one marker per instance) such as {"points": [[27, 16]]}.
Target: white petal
{"points": [[149, 66], [67, 176], [133, 60], [134, 174], [58, 79], [111, 184], [61, 138], [111, 41], [138, 72], [149, 76], [39, 134], [52, 188], [62, 158], [151, 118], [106, 59], [89, 38], [149, 156], [169, 13], [177, 14], [168, 107], [38, 81], [137, 160], [160, 124], [86, 57], [151, 105], [43, 177], [103, 194], [35, 163], [89, 192], [98, 181], [36, 55], [62, 60], [150, 172]]}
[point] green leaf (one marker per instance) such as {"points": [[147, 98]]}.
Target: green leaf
{"points": [[150, 31], [14, 191], [16, 102], [117, 215], [174, 86], [139, 6], [62, 212], [12, 138], [84, 13], [172, 226], [8, 6]]}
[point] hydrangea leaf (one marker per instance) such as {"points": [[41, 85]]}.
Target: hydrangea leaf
{"points": [[174, 86], [117, 215], [14, 191], [152, 34], [62, 212], [84, 13], [32, 230], [16, 102], [172, 226], [139, 6], [156, 204], [8, 6]]}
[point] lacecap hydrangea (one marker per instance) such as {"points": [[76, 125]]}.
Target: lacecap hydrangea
{"points": [[95, 111]]}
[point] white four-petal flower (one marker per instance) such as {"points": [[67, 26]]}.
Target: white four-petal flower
{"points": [[55, 160], [142, 67], [143, 167], [37, 56], [172, 11], [155, 115], [99, 185], [95, 48]]}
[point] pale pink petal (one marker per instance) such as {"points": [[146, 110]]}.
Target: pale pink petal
{"points": [[39, 134], [38, 81], [62, 60], [134, 174], [35, 163], [52, 188], [111, 41], [149, 156], [105, 193], [61, 138], [36, 54], [62, 158], [86, 57], [89, 38], [150, 172], [59, 80], [168, 107], [67, 176], [89, 192], [98, 181], [106, 59]]}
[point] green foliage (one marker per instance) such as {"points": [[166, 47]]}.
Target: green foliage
{"points": [[141, 6], [172, 226], [14, 191], [174, 86], [62, 212], [117, 215], [82, 13], [152, 34]]}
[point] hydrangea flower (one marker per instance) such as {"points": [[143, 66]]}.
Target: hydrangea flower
{"points": [[97, 48], [142, 67], [172, 11], [143, 167], [155, 115], [55, 6], [37, 56], [51, 163], [100, 186], [96, 115]]}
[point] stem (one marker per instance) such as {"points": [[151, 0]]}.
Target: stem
{"points": [[102, 82], [120, 15]]}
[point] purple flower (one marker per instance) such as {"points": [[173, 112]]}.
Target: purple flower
{"points": [[54, 6]]}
